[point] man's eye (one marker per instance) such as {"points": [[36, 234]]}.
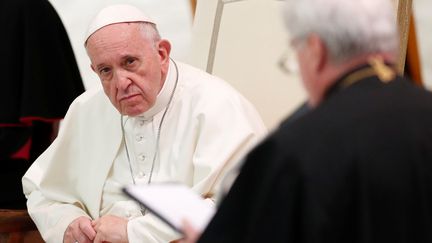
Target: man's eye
{"points": [[130, 61], [104, 71]]}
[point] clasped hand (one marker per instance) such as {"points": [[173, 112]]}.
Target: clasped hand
{"points": [[108, 229]]}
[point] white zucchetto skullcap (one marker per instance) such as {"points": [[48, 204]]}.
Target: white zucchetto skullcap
{"points": [[119, 13]]}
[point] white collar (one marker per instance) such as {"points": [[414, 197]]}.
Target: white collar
{"points": [[164, 95]]}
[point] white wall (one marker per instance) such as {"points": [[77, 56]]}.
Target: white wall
{"points": [[173, 18], [243, 46]]}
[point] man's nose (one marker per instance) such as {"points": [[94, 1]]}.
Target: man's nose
{"points": [[122, 80]]}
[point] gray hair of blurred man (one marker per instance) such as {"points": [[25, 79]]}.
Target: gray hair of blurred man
{"points": [[347, 27]]}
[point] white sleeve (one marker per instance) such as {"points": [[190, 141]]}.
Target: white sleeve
{"points": [[51, 210], [52, 218], [151, 229], [59, 185]]}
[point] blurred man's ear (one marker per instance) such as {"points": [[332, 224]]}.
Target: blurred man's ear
{"points": [[318, 51]]}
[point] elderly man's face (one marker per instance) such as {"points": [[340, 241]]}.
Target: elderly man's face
{"points": [[131, 67]]}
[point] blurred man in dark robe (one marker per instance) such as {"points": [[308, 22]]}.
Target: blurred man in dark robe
{"points": [[357, 167], [40, 78]]}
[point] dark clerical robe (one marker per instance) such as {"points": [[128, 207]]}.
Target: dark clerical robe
{"points": [[39, 79], [357, 168]]}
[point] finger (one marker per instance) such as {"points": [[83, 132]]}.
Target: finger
{"points": [[188, 228], [96, 225], [68, 237], [78, 234], [71, 231], [75, 232], [191, 234], [87, 229], [81, 238], [98, 238]]}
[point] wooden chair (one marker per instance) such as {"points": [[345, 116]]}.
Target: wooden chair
{"points": [[16, 226]]}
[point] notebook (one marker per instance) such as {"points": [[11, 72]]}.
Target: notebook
{"points": [[173, 203]]}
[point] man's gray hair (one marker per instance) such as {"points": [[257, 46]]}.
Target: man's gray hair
{"points": [[347, 27], [150, 32]]}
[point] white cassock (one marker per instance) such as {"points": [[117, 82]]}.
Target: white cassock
{"points": [[207, 128]]}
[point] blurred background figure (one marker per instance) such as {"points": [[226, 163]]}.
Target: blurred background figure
{"points": [[40, 78], [357, 166]]}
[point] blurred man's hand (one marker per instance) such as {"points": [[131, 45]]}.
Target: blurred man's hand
{"points": [[191, 234]]}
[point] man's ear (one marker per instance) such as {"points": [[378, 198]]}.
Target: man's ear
{"points": [[164, 49], [318, 51]]}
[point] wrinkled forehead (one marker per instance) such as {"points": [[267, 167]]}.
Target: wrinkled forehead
{"points": [[115, 37], [117, 41], [115, 32]]}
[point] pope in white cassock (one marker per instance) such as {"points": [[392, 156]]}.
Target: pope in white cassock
{"points": [[155, 120]]}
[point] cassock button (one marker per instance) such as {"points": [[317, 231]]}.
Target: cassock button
{"points": [[141, 157], [141, 174], [139, 137]]}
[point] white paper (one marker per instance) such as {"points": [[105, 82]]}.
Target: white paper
{"points": [[173, 203]]}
